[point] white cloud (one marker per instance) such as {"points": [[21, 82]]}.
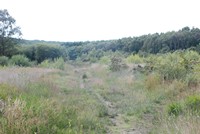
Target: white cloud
{"points": [[75, 20]]}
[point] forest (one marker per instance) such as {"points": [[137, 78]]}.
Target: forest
{"points": [[183, 39], [148, 84]]}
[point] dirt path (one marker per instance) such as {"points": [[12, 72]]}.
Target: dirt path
{"points": [[119, 126], [116, 119]]}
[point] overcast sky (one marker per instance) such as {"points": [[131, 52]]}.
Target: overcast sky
{"points": [[81, 20]]}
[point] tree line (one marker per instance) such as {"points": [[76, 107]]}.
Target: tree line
{"points": [[151, 43], [36, 50]]}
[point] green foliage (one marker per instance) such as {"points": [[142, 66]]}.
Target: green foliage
{"points": [[104, 60], [193, 103], [29, 51], [134, 59], [43, 52], [45, 64], [58, 63], [20, 60], [177, 65], [8, 31], [170, 67], [4, 60], [198, 48], [142, 45], [174, 109], [191, 106]]}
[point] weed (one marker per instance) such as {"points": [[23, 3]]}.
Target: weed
{"points": [[174, 109]]}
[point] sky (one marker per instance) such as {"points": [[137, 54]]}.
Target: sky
{"points": [[90, 20]]}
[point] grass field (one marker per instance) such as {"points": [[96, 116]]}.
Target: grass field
{"points": [[89, 98]]}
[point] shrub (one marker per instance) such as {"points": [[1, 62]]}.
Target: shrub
{"points": [[44, 52], [171, 65], [117, 64], [4, 60], [45, 64], [58, 63], [174, 109], [171, 68], [104, 60], [134, 59], [20, 60]]}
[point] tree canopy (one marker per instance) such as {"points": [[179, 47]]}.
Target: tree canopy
{"points": [[9, 33], [151, 43]]}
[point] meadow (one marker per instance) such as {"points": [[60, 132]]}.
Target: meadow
{"points": [[118, 95]]}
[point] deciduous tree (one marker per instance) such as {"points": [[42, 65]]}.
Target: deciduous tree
{"points": [[9, 33]]}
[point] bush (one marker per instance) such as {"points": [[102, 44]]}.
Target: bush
{"points": [[174, 109], [20, 60], [58, 63], [117, 64], [171, 68], [104, 60], [134, 59], [44, 52], [4, 60], [171, 65]]}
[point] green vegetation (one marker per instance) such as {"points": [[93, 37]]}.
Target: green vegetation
{"points": [[8, 30], [20, 60], [4, 60], [58, 63], [146, 84], [87, 97], [174, 109]]}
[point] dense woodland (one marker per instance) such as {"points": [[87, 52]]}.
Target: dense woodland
{"points": [[151, 43], [185, 38]]}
